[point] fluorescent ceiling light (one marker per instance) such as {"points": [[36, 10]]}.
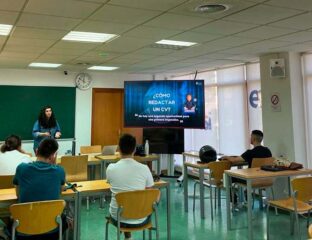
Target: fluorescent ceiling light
{"points": [[45, 65], [103, 68], [5, 29], [176, 43], [89, 36]]}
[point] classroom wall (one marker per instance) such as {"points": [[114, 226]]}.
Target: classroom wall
{"points": [[83, 98]]}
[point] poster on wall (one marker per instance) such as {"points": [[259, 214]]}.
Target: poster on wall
{"points": [[275, 102]]}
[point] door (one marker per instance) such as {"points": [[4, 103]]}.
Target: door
{"points": [[107, 117]]}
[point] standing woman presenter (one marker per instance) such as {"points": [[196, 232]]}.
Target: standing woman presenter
{"points": [[45, 127]]}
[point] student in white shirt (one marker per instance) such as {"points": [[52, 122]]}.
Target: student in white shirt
{"points": [[12, 155], [127, 175]]}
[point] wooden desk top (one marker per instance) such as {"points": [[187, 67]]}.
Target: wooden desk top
{"points": [[115, 158], [9, 194], [255, 173], [102, 185]]}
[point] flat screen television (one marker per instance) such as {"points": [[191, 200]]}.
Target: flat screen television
{"points": [[164, 104], [164, 140]]}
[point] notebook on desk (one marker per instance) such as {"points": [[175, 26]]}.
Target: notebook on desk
{"points": [[109, 150]]}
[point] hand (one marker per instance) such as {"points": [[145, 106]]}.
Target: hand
{"points": [[58, 135], [46, 134]]}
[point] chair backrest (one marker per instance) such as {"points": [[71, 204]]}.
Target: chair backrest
{"points": [[37, 217], [137, 204], [217, 169], [90, 149], [76, 167], [259, 162], [303, 186], [6, 181]]}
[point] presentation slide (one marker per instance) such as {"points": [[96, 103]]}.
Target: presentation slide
{"points": [[165, 103]]}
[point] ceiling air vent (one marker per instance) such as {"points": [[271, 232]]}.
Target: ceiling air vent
{"points": [[211, 8]]}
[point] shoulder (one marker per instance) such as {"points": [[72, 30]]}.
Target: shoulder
{"points": [[23, 166]]}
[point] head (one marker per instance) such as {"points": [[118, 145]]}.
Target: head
{"points": [[189, 97], [127, 144], [11, 143], [46, 117], [256, 137], [47, 150]]}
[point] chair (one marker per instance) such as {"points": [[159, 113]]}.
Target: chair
{"points": [[76, 169], [6, 181], [215, 180], [297, 204], [260, 184], [136, 205], [37, 217], [90, 149]]}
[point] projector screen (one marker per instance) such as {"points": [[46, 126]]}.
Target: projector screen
{"points": [[168, 103]]}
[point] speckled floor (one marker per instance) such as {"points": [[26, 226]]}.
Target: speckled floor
{"points": [[190, 226]]}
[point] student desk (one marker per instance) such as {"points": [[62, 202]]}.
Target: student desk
{"points": [[102, 188], [249, 175], [8, 197], [106, 159], [201, 168]]}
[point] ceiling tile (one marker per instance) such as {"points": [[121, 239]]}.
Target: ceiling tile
{"points": [[152, 33], [17, 55], [154, 51], [8, 17], [262, 14], [10, 5], [265, 32], [296, 37], [125, 44], [68, 8], [103, 27], [160, 5], [177, 22], [195, 37], [76, 45], [298, 4], [29, 42], [57, 58], [47, 22], [66, 51], [23, 49], [119, 14], [38, 33], [104, 55], [221, 27], [300, 22]]}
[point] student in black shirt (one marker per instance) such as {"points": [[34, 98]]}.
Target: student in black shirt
{"points": [[258, 151]]}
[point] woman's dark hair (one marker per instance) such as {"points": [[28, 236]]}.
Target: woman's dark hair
{"points": [[11, 143], [43, 121], [127, 144]]}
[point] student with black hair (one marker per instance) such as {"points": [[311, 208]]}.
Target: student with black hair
{"points": [[259, 151], [41, 180], [46, 126], [127, 175], [12, 155]]}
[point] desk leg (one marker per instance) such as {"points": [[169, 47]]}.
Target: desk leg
{"points": [[168, 213], [76, 212], [228, 201], [201, 193], [158, 166], [78, 218], [103, 169], [185, 184], [249, 206]]}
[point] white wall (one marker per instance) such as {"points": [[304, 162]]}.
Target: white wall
{"points": [[83, 98]]}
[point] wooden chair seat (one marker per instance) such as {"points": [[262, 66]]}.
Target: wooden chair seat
{"points": [[133, 229], [288, 205]]}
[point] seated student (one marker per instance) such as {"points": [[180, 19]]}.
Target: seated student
{"points": [[40, 181], [258, 151], [127, 175], [12, 155]]}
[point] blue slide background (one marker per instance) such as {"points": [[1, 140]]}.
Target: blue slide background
{"points": [[168, 98]]}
